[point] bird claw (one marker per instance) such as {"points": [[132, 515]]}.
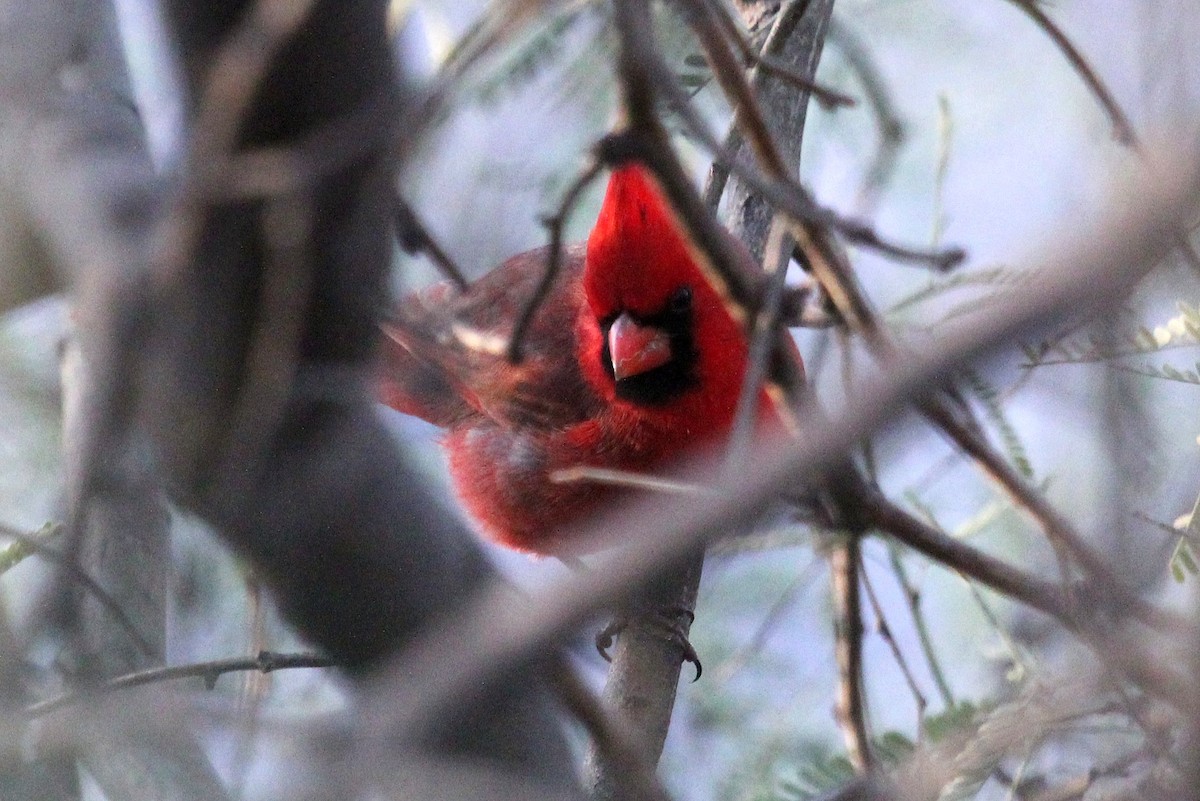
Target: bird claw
{"points": [[606, 636], [668, 621]]}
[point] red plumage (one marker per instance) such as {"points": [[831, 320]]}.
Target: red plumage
{"points": [[632, 359]]}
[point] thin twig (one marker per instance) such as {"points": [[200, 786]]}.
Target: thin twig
{"points": [[912, 596], [765, 340], [265, 662], [1056, 526], [76, 572], [828, 98], [415, 238], [785, 193], [879, 98], [885, 631], [802, 306], [738, 658], [808, 229], [1122, 128], [555, 226], [894, 521], [747, 113], [1019, 669], [627, 479]]}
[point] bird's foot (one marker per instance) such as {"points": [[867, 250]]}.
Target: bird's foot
{"points": [[672, 622]]}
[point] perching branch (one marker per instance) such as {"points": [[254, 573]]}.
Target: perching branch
{"points": [[617, 744], [639, 692]]}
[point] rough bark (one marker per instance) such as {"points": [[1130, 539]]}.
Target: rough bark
{"points": [[796, 37], [641, 685]]}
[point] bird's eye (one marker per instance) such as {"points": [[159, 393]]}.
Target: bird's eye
{"points": [[681, 301]]}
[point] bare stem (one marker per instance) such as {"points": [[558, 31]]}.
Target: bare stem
{"points": [[265, 662], [885, 631], [845, 559], [415, 238], [912, 596]]}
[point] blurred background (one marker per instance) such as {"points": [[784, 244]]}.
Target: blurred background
{"points": [[1004, 151]]}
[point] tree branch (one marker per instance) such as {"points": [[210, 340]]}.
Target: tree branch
{"points": [[1091, 272], [264, 662]]}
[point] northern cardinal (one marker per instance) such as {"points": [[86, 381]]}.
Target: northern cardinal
{"points": [[631, 360]]}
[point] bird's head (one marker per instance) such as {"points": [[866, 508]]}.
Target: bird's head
{"points": [[654, 326]]}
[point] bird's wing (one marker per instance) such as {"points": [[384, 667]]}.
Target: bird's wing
{"points": [[445, 350]]}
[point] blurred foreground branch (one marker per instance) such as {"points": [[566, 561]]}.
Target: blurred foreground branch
{"points": [[1089, 273]]}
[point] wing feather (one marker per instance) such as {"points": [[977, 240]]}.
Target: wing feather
{"points": [[444, 351]]}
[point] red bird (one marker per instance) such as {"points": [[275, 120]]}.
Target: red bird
{"points": [[631, 360]]}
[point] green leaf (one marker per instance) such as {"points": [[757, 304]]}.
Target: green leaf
{"points": [[1032, 356], [1143, 339], [1010, 439], [1183, 561], [950, 721], [17, 551]]}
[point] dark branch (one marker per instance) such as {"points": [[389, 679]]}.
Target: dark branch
{"points": [[1122, 129], [415, 238], [885, 631], [555, 226]]}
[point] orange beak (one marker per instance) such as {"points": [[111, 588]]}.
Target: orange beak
{"points": [[636, 348]]}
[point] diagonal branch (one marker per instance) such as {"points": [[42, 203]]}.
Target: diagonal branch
{"points": [[828, 98], [495, 630], [415, 238], [1122, 128], [77, 573]]}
